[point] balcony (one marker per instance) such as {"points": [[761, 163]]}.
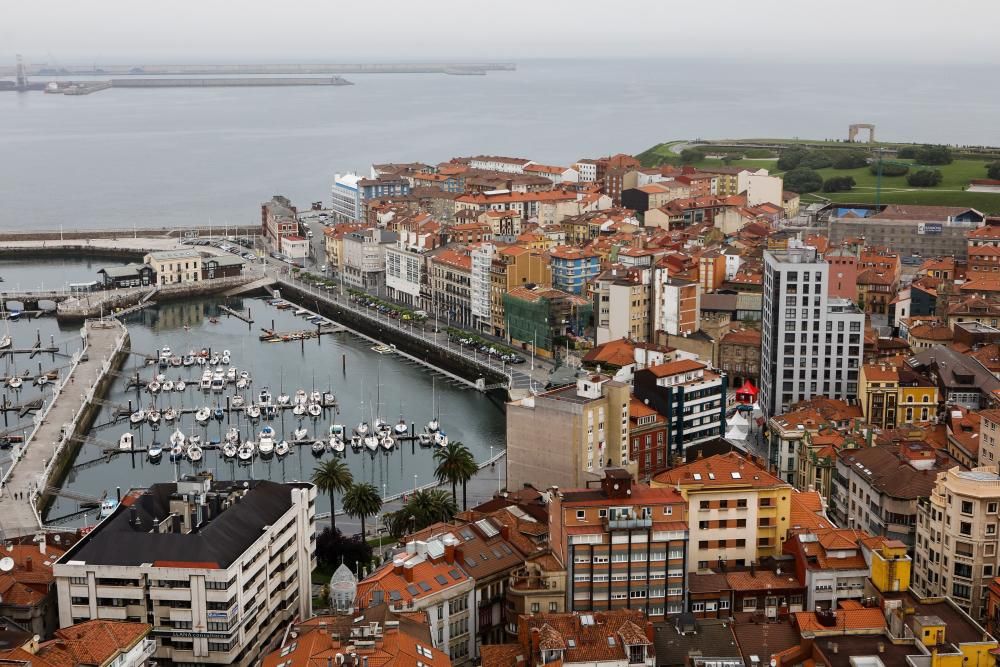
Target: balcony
{"points": [[630, 524]]}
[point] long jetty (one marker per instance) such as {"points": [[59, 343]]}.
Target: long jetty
{"points": [[38, 463], [43, 69]]}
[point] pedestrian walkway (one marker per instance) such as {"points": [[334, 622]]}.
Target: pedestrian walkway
{"points": [[32, 462]]}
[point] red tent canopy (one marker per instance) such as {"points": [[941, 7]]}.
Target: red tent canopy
{"points": [[747, 393]]}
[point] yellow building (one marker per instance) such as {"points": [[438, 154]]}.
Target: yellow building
{"points": [[514, 266], [738, 513], [891, 397], [890, 565]]}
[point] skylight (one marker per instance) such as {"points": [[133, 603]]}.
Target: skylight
{"points": [[736, 475]]}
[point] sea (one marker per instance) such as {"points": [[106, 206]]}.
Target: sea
{"points": [[178, 157]]}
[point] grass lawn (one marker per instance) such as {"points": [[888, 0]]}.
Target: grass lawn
{"points": [[322, 574]]}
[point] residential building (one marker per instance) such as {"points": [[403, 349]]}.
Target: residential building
{"points": [[676, 307], [647, 435], [739, 356], [617, 638], [692, 399], [960, 379], [364, 259], [450, 274], [405, 272], [811, 344], [711, 270], [584, 426], [99, 643], [513, 266], [294, 247], [384, 185], [426, 576], [771, 595], [504, 164], [172, 267], [909, 229], [558, 175], [761, 188], [623, 543], [573, 268], [377, 635], [538, 585], [27, 589], [876, 489], [788, 435], [542, 320], [699, 643], [481, 286], [709, 595], [956, 546], [989, 437], [217, 568], [586, 170], [622, 305], [346, 200], [278, 218], [737, 514]]}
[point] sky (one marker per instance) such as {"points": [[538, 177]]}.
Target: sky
{"points": [[112, 31]]}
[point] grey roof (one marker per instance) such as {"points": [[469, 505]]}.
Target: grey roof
{"points": [[222, 541], [713, 639], [186, 253], [726, 302], [955, 369], [225, 260], [127, 271], [749, 301]]}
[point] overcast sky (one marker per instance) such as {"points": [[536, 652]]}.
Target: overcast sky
{"points": [[74, 31]]}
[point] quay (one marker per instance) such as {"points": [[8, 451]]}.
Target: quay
{"points": [[43, 69], [42, 459]]}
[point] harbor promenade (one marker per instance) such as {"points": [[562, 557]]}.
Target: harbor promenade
{"points": [[23, 484]]}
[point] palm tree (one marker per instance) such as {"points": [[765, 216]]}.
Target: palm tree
{"points": [[333, 477], [422, 509], [362, 501], [456, 465]]}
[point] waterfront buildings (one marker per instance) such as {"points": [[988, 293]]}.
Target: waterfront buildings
{"points": [[450, 275], [573, 268], [624, 545], [217, 568], [346, 200], [278, 219], [175, 266], [811, 344], [513, 266], [541, 320], [584, 426], [364, 258]]}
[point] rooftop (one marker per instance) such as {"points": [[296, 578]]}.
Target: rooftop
{"points": [[721, 470]]}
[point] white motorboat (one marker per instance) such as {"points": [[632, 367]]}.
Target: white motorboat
{"points": [[188, 359], [153, 387], [137, 417], [337, 429], [194, 441], [154, 452], [401, 427], [218, 383], [269, 411], [177, 452], [195, 453], [165, 355], [433, 425], [282, 448], [180, 385], [337, 444], [237, 402], [361, 429], [227, 353], [242, 383], [225, 358], [168, 385], [206, 380], [125, 442], [356, 443], [231, 374], [246, 450], [266, 443], [318, 447], [300, 434], [169, 415], [202, 415], [298, 409], [387, 442], [219, 413], [283, 399], [15, 382], [264, 397], [176, 361], [300, 397], [177, 438], [153, 416], [108, 507], [253, 412], [229, 449], [42, 380], [329, 400], [214, 361], [381, 427], [314, 410], [200, 360], [233, 435], [5, 342], [245, 375], [425, 439], [440, 439]]}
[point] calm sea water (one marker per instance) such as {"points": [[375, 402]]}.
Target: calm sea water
{"points": [[175, 157], [370, 378]]}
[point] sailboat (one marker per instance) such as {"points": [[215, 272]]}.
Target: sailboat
{"points": [[282, 448], [15, 382], [301, 433], [433, 425], [318, 448]]}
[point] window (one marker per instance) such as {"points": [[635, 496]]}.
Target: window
{"points": [[553, 606], [581, 515], [697, 606], [967, 507], [535, 607], [965, 528]]}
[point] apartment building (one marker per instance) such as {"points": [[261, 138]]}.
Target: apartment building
{"points": [[27, 589], [365, 258], [513, 266], [538, 317], [788, 435], [481, 286], [584, 427], [877, 488], [811, 344], [924, 231], [957, 539], [624, 545], [538, 585], [989, 437], [692, 399], [345, 198], [647, 435], [501, 163], [217, 568], [622, 304], [450, 275], [737, 512], [425, 576], [573, 268], [676, 305], [278, 218]]}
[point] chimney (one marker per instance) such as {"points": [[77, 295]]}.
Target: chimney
{"points": [[449, 553], [408, 571], [28, 564], [41, 544], [505, 531], [329, 661], [650, 632], [397, 565]]}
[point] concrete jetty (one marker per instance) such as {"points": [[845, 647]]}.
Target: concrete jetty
{"points": [[37, 463]]}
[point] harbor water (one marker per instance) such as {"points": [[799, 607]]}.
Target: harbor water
{"points": [[366, 385]]}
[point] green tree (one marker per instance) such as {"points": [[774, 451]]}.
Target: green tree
{"points": [[935, 155], [455, 465], [816, 160], [925, 178], [889, 169], [362, 501], [692, 156], [802, 179], [993, 170], [850, 160], [333, 477], [791, 157], [907, 153], [423, 508], [334, 548], [838, 184]]}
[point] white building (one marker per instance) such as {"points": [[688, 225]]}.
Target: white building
{"points": [[554, 173], [364, 258], [811, 345], [405, 272], [760, 187], [346, 198], [217, 569], [295, 247], [507, 165], [481, 286], [586, 170], [175, 266]]}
